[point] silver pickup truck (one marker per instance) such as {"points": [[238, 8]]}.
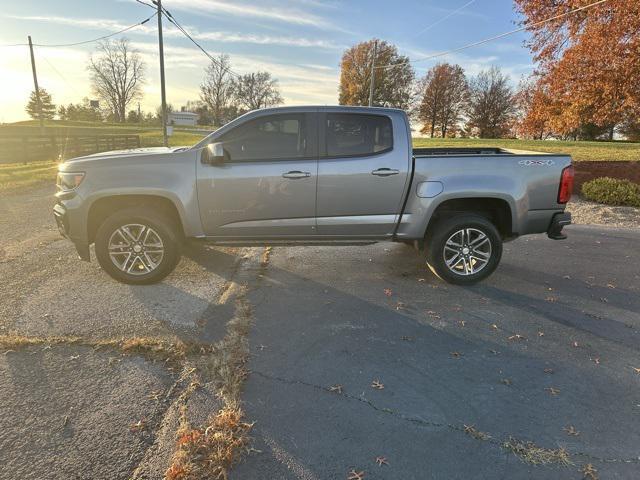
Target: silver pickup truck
{"points": [[310, 175]]}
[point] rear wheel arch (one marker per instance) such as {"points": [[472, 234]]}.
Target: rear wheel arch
{"points": [[104, 207], [497, 210]]}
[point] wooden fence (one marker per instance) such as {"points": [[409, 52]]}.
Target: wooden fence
{"points": [[29, 148]]}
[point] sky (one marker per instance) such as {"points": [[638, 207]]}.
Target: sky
{"points": [[299, 41]]}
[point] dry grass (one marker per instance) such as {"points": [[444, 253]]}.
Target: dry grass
{"points": [[148, 347], [589, 472], [472, 431], [210, 450], [529, 452]]}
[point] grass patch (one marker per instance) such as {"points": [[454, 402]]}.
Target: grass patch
{"points": [[153, 138], [19, 175], [210, 450], [529, 452], [580, 151]]}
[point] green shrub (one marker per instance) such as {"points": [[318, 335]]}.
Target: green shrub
{"points": [[612, 191]]}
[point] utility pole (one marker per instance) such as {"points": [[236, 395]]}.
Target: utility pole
{"points": [[35, 83], [162, 89], [372, 86]]}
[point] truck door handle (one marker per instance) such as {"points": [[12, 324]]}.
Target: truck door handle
{"points": [[385, 172], [296, 174]]}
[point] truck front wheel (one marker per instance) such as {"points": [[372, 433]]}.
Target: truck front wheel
{"points": [[137, 246], [463, 249]]}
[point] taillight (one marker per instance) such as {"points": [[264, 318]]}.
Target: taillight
{"points": [[566, 185]]}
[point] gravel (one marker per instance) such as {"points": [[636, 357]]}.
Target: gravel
{"points": [[585, 212]]}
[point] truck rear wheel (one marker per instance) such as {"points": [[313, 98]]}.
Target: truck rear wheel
{"points": [[137, 246], [463, 249]]}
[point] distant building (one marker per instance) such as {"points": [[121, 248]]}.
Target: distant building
{"points": [[183, 118]]}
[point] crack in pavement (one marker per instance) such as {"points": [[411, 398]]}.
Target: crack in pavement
{"points": [[428, 423]]}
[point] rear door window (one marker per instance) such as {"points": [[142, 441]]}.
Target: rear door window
{"points": [[354, 134], [272, 137]]}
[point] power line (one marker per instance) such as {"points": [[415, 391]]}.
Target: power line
{"points": [[496, 37], [437, 22], [214, 60], [85, 41]]}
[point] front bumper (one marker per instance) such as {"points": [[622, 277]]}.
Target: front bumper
{"points": [[61, 216], [558, 222]]}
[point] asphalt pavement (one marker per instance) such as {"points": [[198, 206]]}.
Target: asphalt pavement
{"points": [[357, 354], [542, 352]]}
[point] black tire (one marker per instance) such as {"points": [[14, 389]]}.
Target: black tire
{"points": [[160, 225], [443, 230]]}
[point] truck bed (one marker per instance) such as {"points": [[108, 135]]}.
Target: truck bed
{"points": [[463, 151]]}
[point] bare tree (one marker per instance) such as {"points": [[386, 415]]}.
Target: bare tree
{"points": [[117, 75], [443, 94], [394, 76], [257, 90], [217, 90], [492, 105]]}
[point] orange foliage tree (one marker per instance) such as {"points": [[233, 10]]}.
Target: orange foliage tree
{"points": [[588, 65]]}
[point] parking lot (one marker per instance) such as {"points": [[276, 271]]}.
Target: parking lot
{"points": [[360, 359]]}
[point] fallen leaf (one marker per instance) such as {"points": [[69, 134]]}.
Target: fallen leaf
{"points": [[494, 326], [462, 323], [353, 475], [400, 306], [74, 357], [541, 334], [388, 292], [139, 425], [553, 391], [506, 381], [571, 430], [637, 370], [517, 337], [596, 360], [574, 344], [455, 354], [551, 299], [548, 370], [377, 385], [337, 388], [610, 285], [381, 461], [421, 280]]}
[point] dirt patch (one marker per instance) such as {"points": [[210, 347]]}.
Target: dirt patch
{"points": [[584, 212]]}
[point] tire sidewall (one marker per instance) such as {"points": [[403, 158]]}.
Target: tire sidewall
{"points": [[148, 217], [444, 229]]}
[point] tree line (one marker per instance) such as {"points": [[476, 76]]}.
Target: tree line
{"points": [[585, 85], [446, 102], [118, 74]]}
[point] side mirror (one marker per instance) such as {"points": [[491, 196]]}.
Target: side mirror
{"points": [[213, 154]]}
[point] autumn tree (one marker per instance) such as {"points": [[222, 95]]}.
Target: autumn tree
{"points": [[48, 107], [257, 90], [491, 107], [217, 90], [588, 62], [442, 93], [394, 76], [117, 75]]}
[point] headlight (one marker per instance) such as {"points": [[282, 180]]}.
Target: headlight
{"points": [[67, 181]]}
